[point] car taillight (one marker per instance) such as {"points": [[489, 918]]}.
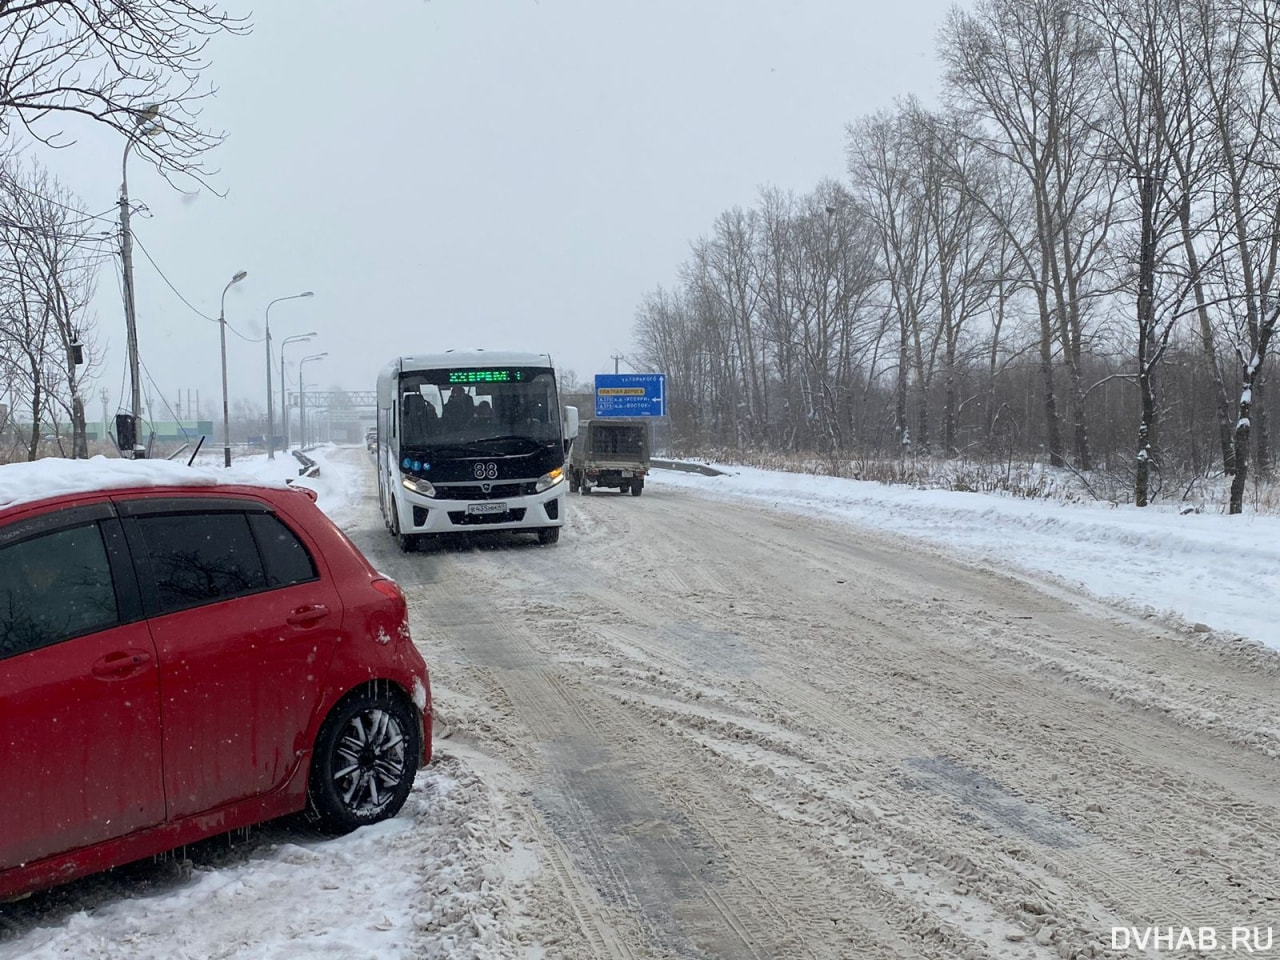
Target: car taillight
{"points": [[389, 589]]}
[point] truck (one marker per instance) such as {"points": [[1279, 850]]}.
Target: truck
{"points": [[610, 452]]}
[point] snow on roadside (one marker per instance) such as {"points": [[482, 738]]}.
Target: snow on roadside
{"points": [[428, 883], [1220, 571]]}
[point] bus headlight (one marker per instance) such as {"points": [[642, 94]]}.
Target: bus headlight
{"points": [[549, 480], [421, 487]]}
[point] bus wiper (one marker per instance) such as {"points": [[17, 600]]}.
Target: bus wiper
{"points": [[507, 437], [427, 453]]}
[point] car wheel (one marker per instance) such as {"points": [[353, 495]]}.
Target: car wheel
{"points": [[637, 486], [549, 535], [364, 762]]}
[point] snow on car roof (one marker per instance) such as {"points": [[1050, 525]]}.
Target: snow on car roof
{"points": [[57, 477]]}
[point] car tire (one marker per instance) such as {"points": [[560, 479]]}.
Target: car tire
{"points": [[574, 482], [549, 535], [364, 762], [637, 487]]}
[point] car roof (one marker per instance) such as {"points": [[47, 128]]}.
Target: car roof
{"points": [[55, 477]]}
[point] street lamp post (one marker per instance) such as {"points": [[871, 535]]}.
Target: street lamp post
{"points": [[302, 399], [284, 405], [271, 445], [222, 328], [147, 126]]}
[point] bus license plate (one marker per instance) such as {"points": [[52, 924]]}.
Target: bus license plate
{"points": [[486, 508]]}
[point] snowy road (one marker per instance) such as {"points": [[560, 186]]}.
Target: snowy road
{"points": [[735, 733], [701, 727]]}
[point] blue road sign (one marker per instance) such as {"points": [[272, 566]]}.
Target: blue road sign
{"points": [[631, 394]]}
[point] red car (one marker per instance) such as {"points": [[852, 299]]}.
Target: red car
{"points": [[180, 657]]}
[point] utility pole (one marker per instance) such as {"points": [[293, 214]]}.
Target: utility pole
{"points": [[615, 358], [130, 318], [147, 124]]}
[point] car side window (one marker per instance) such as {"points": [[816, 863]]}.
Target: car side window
{"points": [[200, 558], [53, 587], [287, 560]]}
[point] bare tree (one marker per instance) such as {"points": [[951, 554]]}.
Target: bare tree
{"points": [[957, 179], [884, 164], [1027, 71], [1246, 101], [669, 340], [54, 256], [46, 283], [1149, 134], [114, 62]]}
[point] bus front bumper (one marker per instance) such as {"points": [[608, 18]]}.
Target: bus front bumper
{"points": [[420, 514]]}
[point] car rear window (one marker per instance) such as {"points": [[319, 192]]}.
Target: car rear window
{"points": [[54, 587], [201, 558], [287, 560]]}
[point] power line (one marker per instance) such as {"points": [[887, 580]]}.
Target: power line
{"points": [[162, 400], [147, 254], [198, 313], [19, 188]]}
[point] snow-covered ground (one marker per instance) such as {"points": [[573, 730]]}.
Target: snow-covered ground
{"points": [[443, 879], [1217, 571], [1199, 568]]}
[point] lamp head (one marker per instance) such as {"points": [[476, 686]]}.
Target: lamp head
{"points": [[240, 276]]}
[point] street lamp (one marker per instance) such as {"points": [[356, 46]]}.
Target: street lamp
{"points": [[222, 328], [147, 126], [284, 406], [271, 445], [302, 399]]}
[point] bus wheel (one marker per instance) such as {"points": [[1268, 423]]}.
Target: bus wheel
{"points": [[574, 483], [406, 542]]}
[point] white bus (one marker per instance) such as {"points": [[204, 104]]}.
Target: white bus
{"points": [[471, 441]]}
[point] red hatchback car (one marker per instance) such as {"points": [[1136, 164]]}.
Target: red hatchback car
{"points": [[181, 656]]}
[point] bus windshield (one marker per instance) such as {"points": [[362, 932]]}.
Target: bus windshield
{"points": [[495, 412]]}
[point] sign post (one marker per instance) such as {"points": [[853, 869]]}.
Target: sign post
{"points": [[631, 394]]}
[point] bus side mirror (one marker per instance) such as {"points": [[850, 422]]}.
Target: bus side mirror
{"points": [[569, 425]]}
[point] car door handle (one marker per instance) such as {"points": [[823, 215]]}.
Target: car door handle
{"points": [[304, 616], [121, 663]]}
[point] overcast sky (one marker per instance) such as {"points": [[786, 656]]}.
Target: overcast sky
{"points": [[508, 174]]}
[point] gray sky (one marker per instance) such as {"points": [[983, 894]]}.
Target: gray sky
{"points": [[508, 174]]}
